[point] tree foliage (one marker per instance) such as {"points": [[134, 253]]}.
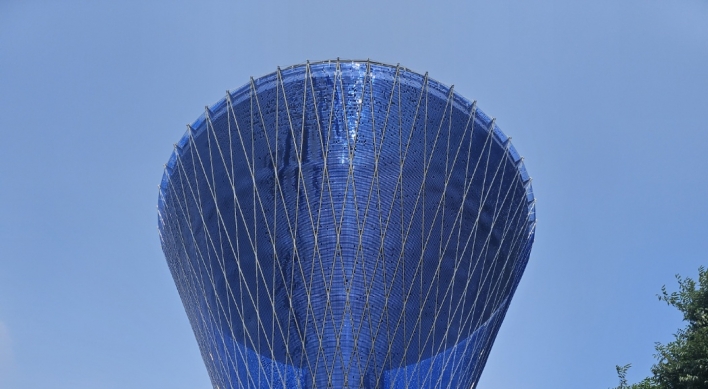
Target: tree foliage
{"points": [[647, 383], [682, 363]]}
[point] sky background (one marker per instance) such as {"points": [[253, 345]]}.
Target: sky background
{"points": [[607, 100]]}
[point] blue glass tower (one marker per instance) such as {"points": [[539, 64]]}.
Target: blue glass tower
{"points": [[345, 224]]}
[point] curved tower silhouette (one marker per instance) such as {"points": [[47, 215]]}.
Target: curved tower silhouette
{"points": [[345, 224]]}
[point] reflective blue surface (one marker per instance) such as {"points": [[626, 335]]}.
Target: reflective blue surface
{"points": [[345, 224]]}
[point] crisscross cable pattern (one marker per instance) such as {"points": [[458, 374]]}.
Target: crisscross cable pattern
{"points": [[345, 224]]}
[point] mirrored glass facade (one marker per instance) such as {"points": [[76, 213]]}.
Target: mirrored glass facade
{"points": [[345, 224]]}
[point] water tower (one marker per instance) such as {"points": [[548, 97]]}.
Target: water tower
{"points": [[345, 224]]}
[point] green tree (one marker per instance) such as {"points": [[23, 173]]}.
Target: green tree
{"points": [[647, 383], [682, 363]]}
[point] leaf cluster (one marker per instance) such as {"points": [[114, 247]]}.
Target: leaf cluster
{"points": [[682, 363], [646, 383]]}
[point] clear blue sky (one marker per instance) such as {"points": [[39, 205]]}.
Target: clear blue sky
{"points": [[606, 99]]}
